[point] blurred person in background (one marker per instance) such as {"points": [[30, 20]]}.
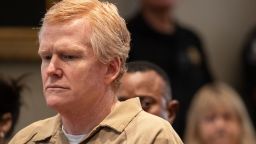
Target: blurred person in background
{"points": [[151, 84], [10, 102], [249, 65], [157, 37], [218, 116]]}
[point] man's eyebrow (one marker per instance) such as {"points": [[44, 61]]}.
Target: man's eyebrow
{"points": [[71, 50], [42, 52], [63, 49], [74, 47]]}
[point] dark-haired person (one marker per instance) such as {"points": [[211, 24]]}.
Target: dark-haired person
{"points": [[151, 84], [10, 101], [159, 38]]}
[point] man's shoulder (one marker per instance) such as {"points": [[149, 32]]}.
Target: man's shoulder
{"points": [[152, 128], [145, 117], [40, 128], [152, 122]]}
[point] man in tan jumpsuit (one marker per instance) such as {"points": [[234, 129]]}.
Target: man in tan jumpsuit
{"points": [[83, 45]]}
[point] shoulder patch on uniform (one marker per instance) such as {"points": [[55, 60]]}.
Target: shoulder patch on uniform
{"points": [[194, 55]]}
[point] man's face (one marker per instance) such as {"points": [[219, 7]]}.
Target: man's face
{"points": [[149, 87], [220, 127], [71, 73]]}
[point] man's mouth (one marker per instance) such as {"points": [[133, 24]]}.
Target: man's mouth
{"points": [[56, 87]]}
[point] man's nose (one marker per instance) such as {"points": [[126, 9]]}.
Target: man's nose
{"points": [[54, 68]]}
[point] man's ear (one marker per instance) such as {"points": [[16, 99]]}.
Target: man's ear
{"points": [[6, 123], [172, 108], [113, 70]]}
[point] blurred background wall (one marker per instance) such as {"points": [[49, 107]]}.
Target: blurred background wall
{"points": [[222, 25]]}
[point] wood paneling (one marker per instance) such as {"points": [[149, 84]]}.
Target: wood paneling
{"points": [[18, 43]]}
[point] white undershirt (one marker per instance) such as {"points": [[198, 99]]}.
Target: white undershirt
{"points": [[73, 139]]}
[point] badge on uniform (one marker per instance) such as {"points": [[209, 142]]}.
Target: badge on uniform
{"points": [[194, 55]]}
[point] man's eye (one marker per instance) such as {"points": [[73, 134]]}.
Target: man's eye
{"points": [[146, 103], [46, 57], [122, 98], [68, 57]]}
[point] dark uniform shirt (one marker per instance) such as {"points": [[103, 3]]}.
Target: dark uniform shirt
{"points": [[249, 63], [180, 54]]}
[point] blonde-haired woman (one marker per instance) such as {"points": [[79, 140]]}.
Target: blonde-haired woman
{"points": [[218, 116]]}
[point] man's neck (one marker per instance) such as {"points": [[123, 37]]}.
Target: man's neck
{"points": [[161, 21], [84, 118]]}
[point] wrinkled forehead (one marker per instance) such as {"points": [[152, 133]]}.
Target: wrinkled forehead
{"points": [[142, 84], [68, 36], [145, 78], [70, 27]]}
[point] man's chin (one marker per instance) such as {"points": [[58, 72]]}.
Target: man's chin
{"points": [[54, 102]]}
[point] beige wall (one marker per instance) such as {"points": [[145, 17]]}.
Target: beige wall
{"points": [[222, 24]]}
